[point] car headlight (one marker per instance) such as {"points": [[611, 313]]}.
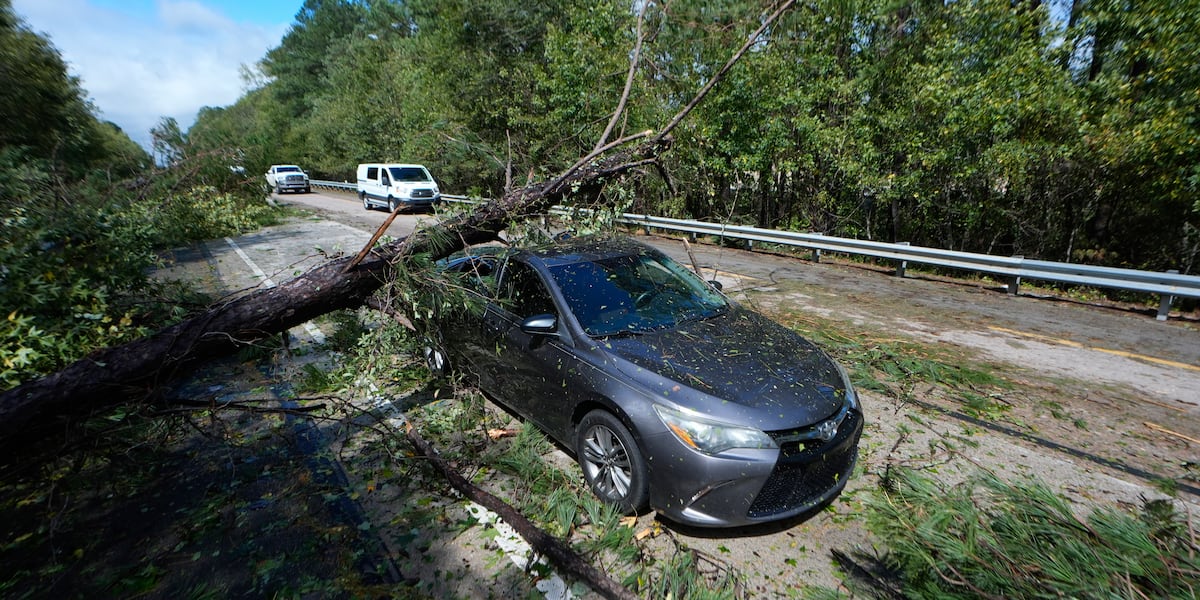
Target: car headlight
{"points": [[851, 395], [710, 437]]}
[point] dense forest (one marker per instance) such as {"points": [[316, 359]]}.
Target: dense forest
{"points": [[1065, 130]]}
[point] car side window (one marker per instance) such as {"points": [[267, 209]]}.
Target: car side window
{"points": [[479, 272], [522, 291], [372, 172]]}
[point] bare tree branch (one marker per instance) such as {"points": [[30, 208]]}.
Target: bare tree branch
{"points": [[633, 67], [134, 371], [543, 543], [750, 41]]}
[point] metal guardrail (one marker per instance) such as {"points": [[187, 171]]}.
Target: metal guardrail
{"points": [[333, 185], [1167, 285], [1015, 268]]}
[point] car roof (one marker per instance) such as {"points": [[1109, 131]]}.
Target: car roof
{"points": [[586, 249]]}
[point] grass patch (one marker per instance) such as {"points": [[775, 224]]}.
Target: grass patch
{"points": [[898, 368], [990, 538]]}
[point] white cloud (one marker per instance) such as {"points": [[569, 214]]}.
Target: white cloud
{"points": [[171, 59]]}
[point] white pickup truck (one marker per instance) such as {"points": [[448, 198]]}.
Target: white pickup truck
{"points": [[287, 178]]}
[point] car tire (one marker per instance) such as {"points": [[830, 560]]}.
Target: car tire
{"points": [[277, 190], [611, 462], [391, 205], [307, 189], [366, 204]]}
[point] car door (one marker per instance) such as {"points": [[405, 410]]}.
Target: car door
{"points": [[461, 326], [528, 372]]}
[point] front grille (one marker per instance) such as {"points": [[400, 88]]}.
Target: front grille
{"points": [[808, 470], [295, 179], [422, 193]]}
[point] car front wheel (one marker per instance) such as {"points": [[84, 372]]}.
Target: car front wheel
{"points": [[611, 462], [391, 205]]}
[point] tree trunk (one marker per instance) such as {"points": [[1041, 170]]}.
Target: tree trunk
{"points": [[133, 371]]}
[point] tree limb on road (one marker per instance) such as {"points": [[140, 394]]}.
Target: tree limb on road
{"points": [[134, 370], [543, 543]]}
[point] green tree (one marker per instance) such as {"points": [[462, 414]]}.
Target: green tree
{"points": [[298, 64], [1139, 69], [82, 215]]}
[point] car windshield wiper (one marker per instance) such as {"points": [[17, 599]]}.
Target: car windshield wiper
{"points": [[620, 333], [704, 316]]}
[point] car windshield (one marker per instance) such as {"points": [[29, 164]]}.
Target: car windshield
{"points": [[288, 170], [634, 294], [409, 174]]}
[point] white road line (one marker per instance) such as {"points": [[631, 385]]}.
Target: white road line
{"points": [[253, 267], [312, 330], [316, 334]]}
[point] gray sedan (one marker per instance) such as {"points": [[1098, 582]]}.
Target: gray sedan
{"points": [[671, 396]]}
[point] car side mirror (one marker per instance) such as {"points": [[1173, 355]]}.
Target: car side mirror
{"points": [[546, 324], [716, 284]]}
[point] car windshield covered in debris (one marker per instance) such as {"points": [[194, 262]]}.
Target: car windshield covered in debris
{"points": [[671, 396]]}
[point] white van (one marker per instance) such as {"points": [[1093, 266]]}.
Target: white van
{"points": [[394, 185]]}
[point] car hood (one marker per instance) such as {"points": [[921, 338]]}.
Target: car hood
{"points": [[737, 365]]}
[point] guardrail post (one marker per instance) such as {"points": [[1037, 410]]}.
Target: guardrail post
{"points": [[901, 265], [816, 252], [1165, 300], [1014, 281]]}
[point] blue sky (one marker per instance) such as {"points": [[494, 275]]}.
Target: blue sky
{"points": [[141, 60]]}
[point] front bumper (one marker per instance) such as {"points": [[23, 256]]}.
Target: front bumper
{"points": [[746, 487], [422, 197], [292, 185]]}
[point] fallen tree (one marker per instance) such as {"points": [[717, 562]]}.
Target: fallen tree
{"points": [[135, 370], [543, 544]]}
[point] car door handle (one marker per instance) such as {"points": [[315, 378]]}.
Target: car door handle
{"points": [[493, 327]]}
